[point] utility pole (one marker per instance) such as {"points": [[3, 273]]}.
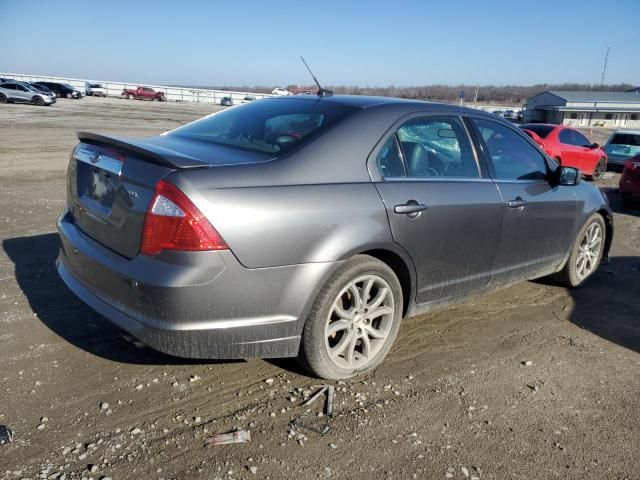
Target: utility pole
{"points": [[475, 98], [604, 68]]}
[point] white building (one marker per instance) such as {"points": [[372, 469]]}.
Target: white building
{"points": [[585, 109]]}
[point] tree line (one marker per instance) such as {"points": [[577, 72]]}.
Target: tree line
{"points": [[508, 94]]}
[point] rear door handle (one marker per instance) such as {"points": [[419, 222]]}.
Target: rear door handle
{"points": [[411, 208], [517, 203]]}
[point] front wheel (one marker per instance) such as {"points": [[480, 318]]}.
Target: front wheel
{"points": [[599, 170], [130, 97], [3, 98], [353, 321], [586, 253], [37, 101]]}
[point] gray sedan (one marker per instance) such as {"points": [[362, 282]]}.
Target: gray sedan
{"points": [[310, 226]]}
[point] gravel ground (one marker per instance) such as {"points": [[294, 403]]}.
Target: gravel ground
{"points": [[531, 382]]}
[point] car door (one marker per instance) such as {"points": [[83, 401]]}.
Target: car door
{"points": [[569, 153], [440, 207], [588, 157], [538, 216], [23, 93]]}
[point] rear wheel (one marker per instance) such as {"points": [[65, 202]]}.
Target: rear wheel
{"points": [[586, 253], [599, 170], [3, 98], [37, 101], [353, 321]]}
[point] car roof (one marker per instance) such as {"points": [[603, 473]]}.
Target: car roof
{"points": [[631, 132], [367, 101]]}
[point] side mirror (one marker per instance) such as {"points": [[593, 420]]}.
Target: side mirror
{"points": [[567, 176], [593, 146]]}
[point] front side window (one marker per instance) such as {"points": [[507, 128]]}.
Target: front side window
{"points": [[580, 140], [437, 147], [512, 157]]}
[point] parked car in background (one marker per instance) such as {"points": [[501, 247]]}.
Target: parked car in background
{"points": [[42, 88], [622, 145], [630, 182], [24, 93], [96, 90], [569, 147], [310, 226], [248, 98], [281, 91], [143, 93], [226, 102], [62, 90]]}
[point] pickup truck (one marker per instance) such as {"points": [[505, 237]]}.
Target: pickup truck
{"points": [[143, 93]]}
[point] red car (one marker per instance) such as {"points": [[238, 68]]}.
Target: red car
{"points": [[569, 147], [143, 93], [630, 181]]}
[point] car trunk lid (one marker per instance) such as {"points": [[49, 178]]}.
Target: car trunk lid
{"points": [[110, 184]]}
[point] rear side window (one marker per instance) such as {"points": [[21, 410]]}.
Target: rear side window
{"points": [[389, 159], [565, 137], [437, 147], [512, 157], [270, 126], [541, 130]]}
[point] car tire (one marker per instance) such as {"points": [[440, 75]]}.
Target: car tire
{"points": [[37, 101], [340, 337], [578, 268], [130, 97], [599, 170], [3, 98]]}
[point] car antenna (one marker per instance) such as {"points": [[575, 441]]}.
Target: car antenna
{"points": [[321, 91]]}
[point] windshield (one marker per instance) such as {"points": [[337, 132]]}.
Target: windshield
{"points": [[29, 87], [267, 126], [625, 139], [96, 85], [541, 130]]}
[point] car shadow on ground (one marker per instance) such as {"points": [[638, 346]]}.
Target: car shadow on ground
{"points": [[608, 304], [63, 313]]}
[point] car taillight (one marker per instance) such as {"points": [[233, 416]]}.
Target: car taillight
{"points": [[173, 222], [632, 163]]}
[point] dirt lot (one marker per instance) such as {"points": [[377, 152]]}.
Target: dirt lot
{"points": [[454, 399]]}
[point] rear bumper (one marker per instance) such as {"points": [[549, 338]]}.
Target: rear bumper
{"points": [[193, 304]]}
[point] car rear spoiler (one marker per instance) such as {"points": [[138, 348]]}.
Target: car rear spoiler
{"points": [[144, 149]]}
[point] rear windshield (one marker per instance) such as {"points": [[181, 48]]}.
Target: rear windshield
{"points": [[268, 126], [541, 130], [625, 139]]}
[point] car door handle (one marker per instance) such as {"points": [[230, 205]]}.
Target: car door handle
{"points": [[410, 208], [517, 203]]}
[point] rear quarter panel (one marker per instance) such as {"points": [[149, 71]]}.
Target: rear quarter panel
{"points": [[285, 225]]}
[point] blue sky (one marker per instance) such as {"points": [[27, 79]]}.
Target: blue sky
{"points": [[374, 43]]}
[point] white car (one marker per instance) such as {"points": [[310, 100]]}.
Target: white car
{"points": [[281, 91], [96, 90], [24, 93]]}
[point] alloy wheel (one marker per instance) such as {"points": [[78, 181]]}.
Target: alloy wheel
{"points": [[359, 321], [589, 251]]}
